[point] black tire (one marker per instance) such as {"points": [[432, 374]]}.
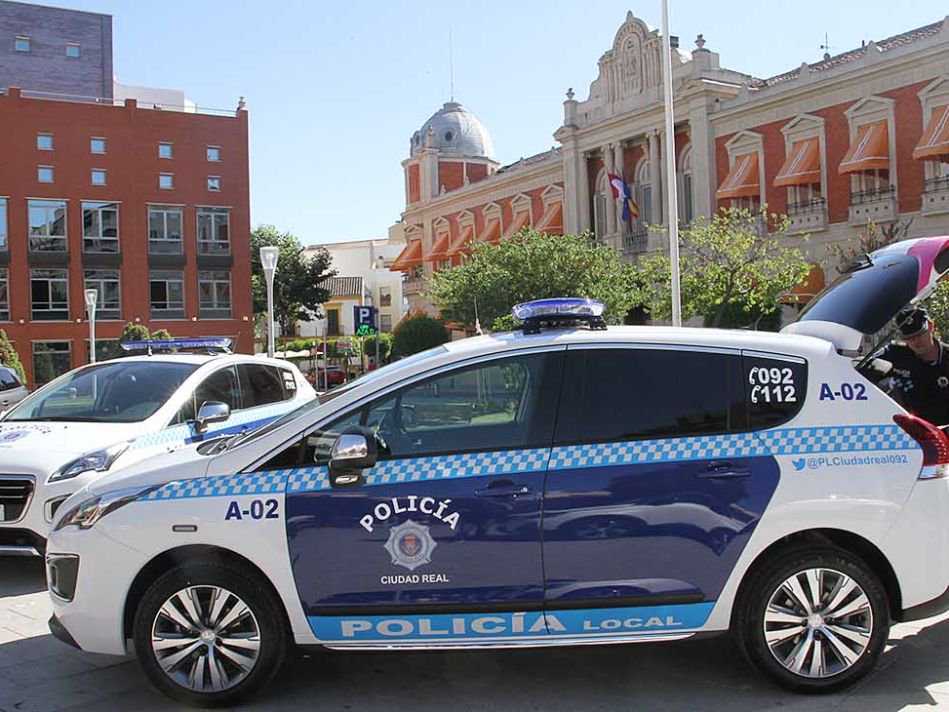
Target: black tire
{"points": [[266, 617], [870, 623]]}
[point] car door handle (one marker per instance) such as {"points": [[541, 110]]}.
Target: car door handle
{"points": [[503, 488], [723, 471]]}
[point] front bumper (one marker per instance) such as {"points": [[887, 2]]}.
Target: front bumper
{"points": [[60, 633]]}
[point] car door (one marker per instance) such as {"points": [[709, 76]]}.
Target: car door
{"points": [[448, 520], [653, 488], [221, 385]]}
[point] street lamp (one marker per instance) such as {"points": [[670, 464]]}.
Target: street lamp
{"points": [[268, 260], [672, 201], [91, 296]]}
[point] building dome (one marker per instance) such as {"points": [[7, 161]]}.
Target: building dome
{"points": [[455, 131]]}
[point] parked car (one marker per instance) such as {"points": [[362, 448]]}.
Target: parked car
{"points": [[12, 390], [102, 416], [325, 377], [568, 484]]}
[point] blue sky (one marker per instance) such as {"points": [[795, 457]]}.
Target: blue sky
{"points": [[335, 90]]}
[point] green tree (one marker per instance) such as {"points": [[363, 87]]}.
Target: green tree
{"points": [[385, 346], [938, 306], [871, 238], [134, 332], [299, 290], [529, 266], [9, 356], [417, 333], [730, 274], [161, 335]]}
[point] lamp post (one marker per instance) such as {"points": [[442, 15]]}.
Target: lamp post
{"points": [[268, 260], [91, 296], [672, 198]]}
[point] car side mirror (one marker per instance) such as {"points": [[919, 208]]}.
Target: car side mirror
{"points": [[354, 450], [211, 412]]}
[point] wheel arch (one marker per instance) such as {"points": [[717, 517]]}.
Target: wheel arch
{"points": [[847, 541], [167, 560]]}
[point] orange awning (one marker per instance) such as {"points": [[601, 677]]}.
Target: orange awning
{"points": [[808, 289], [439, 249], [411, 256], [934, 145], [552, 222], [492, 231], [802, 166], [520, 221], [870, 150], [742, 179], [462, 244]]}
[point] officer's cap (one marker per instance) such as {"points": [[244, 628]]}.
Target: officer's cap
{"points": [[912, 322]]}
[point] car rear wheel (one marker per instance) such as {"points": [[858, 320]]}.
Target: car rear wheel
{"points": [[813, 620], [209, 634]]}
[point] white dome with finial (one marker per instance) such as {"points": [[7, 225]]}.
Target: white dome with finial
{"points": [[455, 131]]}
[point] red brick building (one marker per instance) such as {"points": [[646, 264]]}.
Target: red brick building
{"points": [[146, 203], [832, 143]]}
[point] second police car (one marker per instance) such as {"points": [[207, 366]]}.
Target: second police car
{"points": [[102, 416], [559, 486]]}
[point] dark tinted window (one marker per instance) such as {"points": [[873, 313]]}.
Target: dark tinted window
{"points": [[261, 383], [635, 394], [866, 299], [8, 380], [775, 389], [219, 386]]}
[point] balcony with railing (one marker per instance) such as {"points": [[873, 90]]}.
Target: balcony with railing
{"points": [[636, 239], [876, 204], [807, 215], [936, 195], [413, 285]]}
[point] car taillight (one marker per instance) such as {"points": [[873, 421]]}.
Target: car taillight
{"points": [[932, 440]]}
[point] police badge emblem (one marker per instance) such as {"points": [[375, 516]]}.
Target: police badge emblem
{"points": [[942, 381], [410, 545]]}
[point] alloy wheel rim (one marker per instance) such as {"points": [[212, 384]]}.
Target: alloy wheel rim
{"points": [[818, 623], [206, 639]]}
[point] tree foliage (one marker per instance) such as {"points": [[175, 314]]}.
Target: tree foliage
{"points": [[134, 332], [938, 306], [530, 265], [9, 356], [730, 275], [385, 346], [871, 238], [299, 290], [416, 333]]}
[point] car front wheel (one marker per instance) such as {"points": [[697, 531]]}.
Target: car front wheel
{"points": [[209, 634], [813, 620]]}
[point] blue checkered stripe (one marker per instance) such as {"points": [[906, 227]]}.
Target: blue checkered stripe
{"points": [[255, 483], [784, 441], [178, 434]]}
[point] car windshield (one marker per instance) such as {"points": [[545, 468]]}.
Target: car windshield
{"points": [[114, 392]]}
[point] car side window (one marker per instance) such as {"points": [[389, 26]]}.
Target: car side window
{"points": [[621, 394], [8, 380], [775, 388], [502, 404], [261, 383], [222, 385]]}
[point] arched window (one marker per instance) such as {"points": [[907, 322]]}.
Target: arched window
{"points": [[686, 201], [642, 192], [602, 201]]}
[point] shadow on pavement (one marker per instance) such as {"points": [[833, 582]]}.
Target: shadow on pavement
{"points": [[19, 576]]}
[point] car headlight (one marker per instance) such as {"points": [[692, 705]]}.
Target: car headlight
{"points": [[96, 461], [85, 514]]}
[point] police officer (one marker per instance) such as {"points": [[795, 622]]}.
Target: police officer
{"points": [[920, 371]]}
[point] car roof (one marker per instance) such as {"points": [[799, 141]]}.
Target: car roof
{"points": [[200, 359]]}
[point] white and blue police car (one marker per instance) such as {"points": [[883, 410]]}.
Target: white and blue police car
{"points": [[566, 484], [102, 416]]}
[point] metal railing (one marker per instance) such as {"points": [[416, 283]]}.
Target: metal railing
{"points": [[806, 207], [936, 185], [109, 101], [636, 238], [874, 195]]}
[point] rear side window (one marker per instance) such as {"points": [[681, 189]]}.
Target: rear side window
{"points": [[775, 388], [262, 384], [619, 394], [8, 380]]}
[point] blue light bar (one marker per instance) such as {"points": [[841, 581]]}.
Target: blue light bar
{"points": [[220, 342], [559, 307]]}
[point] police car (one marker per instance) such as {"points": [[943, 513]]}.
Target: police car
{"points": [[565, 484], [102, 416]]}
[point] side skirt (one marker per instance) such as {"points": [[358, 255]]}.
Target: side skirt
{"points": [[546, 642]]}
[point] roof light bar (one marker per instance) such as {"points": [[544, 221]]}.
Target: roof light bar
{"points": [[177, 344], [559, 312]]}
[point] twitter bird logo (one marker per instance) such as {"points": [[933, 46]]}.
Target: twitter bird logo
{"points": [[799, 464]]}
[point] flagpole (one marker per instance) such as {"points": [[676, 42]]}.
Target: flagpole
{"points": [[672, 201]]}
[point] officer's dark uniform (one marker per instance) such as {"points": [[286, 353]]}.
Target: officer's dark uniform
{"points": [[922, 387]]}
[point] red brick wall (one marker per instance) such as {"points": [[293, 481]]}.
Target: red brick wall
{"points": [[414, 193], [132, 166], [476, 172], [910, 173], [451, 175]]}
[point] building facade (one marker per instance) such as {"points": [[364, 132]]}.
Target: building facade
{"points": [[363, 279], [860, 136], [148, 207]]}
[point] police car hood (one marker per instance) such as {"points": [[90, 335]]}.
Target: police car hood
{"points": [[875, 287], [184, 463], [27, 441]]}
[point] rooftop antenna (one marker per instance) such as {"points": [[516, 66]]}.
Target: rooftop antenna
{"points": [[451, 67], [826, 47]]}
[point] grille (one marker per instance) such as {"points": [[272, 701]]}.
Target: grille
{"points": [[15, 493]]}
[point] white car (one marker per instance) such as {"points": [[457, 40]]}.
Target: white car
{"points": [[103, 416], [12, 390], [568, 484]]}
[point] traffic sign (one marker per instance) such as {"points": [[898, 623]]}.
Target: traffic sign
{"points": [[365, 320]]}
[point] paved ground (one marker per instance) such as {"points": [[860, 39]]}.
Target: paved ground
{"points": [[38, 672]]}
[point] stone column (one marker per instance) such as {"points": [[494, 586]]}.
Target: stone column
{"points": [[704, 174], [583, 192], [610, 168], [655, 178]]}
